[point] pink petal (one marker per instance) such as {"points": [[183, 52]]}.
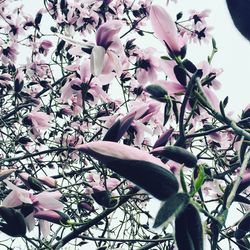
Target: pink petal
{"points": [[12, 200], [49, 200], [30, 221], [106, 150], [45, 227], [112, 60], [165, 28], [171, 87]]}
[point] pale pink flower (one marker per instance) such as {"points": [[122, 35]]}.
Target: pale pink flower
{"points": [[199, 16], [108, 45], [40, 202], [8, 53], [165, 29], [209, 71], [48, 181], [97, 182], [40, 120], [44, 47], [172, 88], [147, 66], [107, 151]]}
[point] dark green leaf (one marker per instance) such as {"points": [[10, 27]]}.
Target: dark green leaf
{"points": [[199, 180], [181, 75], [153, 178], [157, 92], [177, 154], [189, 66], [15, 225], [171, 207]]}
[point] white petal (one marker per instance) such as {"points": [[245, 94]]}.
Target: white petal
{"points": [[97, 60]]}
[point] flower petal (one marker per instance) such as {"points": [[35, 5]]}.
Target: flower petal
{"points": [[97, 60]]}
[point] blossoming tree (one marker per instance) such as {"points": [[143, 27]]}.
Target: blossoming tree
{"points": [[95, 127]]}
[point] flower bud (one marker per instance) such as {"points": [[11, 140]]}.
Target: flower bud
{"points": [[138, 166], [48, 181], [53, 216], [83, 205]]}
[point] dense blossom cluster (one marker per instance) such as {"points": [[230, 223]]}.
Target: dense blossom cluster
{"points": [[89, 116]]}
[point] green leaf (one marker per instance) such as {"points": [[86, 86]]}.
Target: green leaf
{"points": [[103, 198], [153, 178], [183, 182], [177, 154], [181, 75], [214, 44], [167, 110], [189, 66], [243, 148], [199, 180], [35, 184], [179, 15], [243, 227], [171, 207], [15, 225], [111, 134], [157, 92]]}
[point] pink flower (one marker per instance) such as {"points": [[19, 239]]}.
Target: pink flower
{"points": [[173, 88], [165, 29], [107, 43], [48, 181], [40, 202], [147, 66], [96, 182], [39, 121], [44, 47], [210, 71], [53, 216], [9, 53], [71, 94]]}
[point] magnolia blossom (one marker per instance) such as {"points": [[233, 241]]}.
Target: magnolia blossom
{"points": [[148, 65], [8, 53], [44, 46], [40, 202], [104, 55], [71, 92], [165, 29], [39, 121]]}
